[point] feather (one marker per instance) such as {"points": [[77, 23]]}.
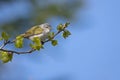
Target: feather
{"points": [[32, 31]]}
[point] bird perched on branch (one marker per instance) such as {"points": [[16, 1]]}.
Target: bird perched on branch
{"points": [[40, 31]]}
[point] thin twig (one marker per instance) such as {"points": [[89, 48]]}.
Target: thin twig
{"points": [[30, 51], [4, 44]]}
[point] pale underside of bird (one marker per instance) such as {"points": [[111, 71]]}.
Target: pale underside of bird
{"points": [[40, 31]]}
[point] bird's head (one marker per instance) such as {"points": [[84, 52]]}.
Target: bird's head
{"points": [[46, 26]]}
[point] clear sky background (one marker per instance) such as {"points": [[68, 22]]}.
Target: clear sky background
{"points": [[92, 52]]}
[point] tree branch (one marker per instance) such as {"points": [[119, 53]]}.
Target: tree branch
{"points": [[4, 44], [31, 50], [11, 51]]}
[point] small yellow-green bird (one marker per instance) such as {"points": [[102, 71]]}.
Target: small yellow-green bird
{"points": [[40, 31]]}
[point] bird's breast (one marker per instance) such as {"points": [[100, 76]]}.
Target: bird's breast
{"points": [[43, 36]]}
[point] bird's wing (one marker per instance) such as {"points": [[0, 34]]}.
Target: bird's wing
{"points": [[33, 31]]}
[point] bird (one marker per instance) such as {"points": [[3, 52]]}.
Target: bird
{"points": [[40, 31]]}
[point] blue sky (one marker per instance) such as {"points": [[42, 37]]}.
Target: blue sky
{"points": [[92, 52]]}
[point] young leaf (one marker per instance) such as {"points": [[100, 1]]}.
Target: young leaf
{"points": [[54, 42], [60, 27], [5, 56], [37, 47], [5, 59], [51, 35], [37, 43], [66, 33], [36, 39], [67, 23], [19, 42], [10, 55], [5, 36]]}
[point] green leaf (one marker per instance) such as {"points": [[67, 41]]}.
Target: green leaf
{"points": [[19, 42], [5, 56], [51, 35], [60, 27], [66, 33], [37, 47], [54, 42], [10, 56], [67, 23], [36, 40], [5, 36], [5, 59], [36, 43]]}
